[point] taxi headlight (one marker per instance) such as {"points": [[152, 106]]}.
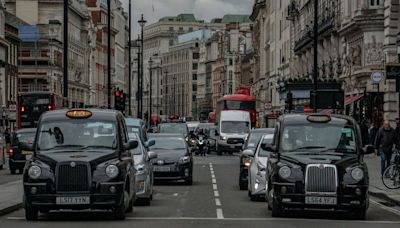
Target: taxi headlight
{"points": [[185, 159], [357, 174], [34, 172], [222, 138], [285, 172], [112, 171]]}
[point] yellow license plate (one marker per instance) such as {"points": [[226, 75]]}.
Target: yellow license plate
{"points": [[25, 152]]}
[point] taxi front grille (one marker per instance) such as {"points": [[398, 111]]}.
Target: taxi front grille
{"points": [[73, 178], [321, 178]]}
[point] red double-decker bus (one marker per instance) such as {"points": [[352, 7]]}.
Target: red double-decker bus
{"points": [[31, 105], [240, 101]]}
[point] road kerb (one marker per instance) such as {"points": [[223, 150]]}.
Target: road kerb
{"points": [[9, 209], [382, 195]]}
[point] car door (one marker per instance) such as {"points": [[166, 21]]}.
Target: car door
{"points": [[126, 157]]}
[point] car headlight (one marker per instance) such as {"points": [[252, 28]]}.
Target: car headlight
{"points": [[187, 139], [193, 141], [222, 138], [247, 162], [185, 159], [285, 172], [139, 169], [112, 171], [34, 172], [357, 174]]}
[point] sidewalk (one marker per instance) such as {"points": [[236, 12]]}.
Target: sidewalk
{"points": [[376, 187], [11, 195]]}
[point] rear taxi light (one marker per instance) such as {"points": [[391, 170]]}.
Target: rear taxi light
{"points": [[22, 109], [10, 152], [79, 114], [49, 107]]}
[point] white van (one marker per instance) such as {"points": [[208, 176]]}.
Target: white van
{"points": [[233, 127]]}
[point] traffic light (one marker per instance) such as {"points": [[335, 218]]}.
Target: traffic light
{"points": [[146, 115], [122, 101], [119, 100]]}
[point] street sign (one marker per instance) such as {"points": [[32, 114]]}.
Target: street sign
{"points": [[377, 77], [392, 71]]}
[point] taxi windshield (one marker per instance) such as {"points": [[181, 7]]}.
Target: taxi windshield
{"points": [[318, 137], [174, 128], [77, 133], [254, 138]]}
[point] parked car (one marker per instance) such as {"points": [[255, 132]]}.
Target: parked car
{"points": [[316, 162], [258, 168], [250, 146], [16, 156], [174, 159], [144, 171], [234, 127], [81, 161]]}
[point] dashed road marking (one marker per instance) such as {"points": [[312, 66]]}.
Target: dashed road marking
{"points": [[215, 187], [220, 214], [216, 194], [217, 202]]}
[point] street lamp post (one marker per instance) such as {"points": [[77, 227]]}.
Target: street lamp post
{"points": [[151, 87], [315, 75], [65, 56], [142, 23], [138, 93], [166, 107], [109, 53], [130, 61], [174, 104]]}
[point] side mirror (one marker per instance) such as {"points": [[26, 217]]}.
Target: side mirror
{"points": [[26, 146], [131, 144], [149, 143], [248, 153], [368, 149], [152, 155], [268, 147]]}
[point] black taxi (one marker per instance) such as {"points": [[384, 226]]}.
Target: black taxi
{"points": [[316, 163], [81, 160]]}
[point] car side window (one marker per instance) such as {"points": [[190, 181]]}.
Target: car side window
{"points": [[276, 134], [122, 130]]}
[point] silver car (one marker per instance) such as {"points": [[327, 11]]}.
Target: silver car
{"points": [[258, 167], [144, 171]]}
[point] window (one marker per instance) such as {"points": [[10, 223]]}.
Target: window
{"points": [[230, 62], [375, 2], [194, 88], [171, 42], [230, 75], [180, 29], [194, 77], [195, 66], [171, 28], [190, 29]]}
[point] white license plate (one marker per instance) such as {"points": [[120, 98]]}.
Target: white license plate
{"points": [[73, 200], [161, 169], [232, 147], [321, 200]]}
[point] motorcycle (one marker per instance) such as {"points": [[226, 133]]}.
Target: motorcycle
{"points": [[201, 145]]}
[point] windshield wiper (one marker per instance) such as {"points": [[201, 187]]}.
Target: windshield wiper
{"points": [[339, 150], [62, 146], [97, 146]]}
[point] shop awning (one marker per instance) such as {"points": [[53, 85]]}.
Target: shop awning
{"points": [[326, 111], [351, 99]]}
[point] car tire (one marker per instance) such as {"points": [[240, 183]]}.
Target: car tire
{"points": [[360, 214], [243, 185], [12, 171], [119, 210], [1, 167], [189, 181], [31, 213], [219, 151], [277, 210], [146, 201], [130, 207], [253, 198]]}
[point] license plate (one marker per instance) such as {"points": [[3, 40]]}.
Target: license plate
{"points": [[25, 152], [321, 200], [232, 147], [161, 169], [73, 200], [28, 156]]}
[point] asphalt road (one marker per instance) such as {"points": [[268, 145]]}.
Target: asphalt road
{"points": [[6, 177], [210, 202]]}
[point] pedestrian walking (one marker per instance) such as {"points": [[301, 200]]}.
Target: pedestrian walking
{"points": [[373, 130], [385, 140], [397, 130], [364, 133]]}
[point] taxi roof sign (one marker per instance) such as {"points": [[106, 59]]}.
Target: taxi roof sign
{"points": [[318, 118], [79, 114]]}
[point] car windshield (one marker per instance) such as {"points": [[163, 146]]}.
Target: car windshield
{"points": [[318, 137], [25, 137], [235, 127], [174, 128], [168, 143], [267, 140], [77, 133], [254, 138]]}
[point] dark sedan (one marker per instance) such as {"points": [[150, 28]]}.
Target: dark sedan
{"points": [[17, 156], [174, 159]]}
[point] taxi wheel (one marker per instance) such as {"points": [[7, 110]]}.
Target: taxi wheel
{"points": [[243, 185], [31, 213], [119, 211], [130, 207], [189, 181], [360, 214], [12, 171], [276, 208]]}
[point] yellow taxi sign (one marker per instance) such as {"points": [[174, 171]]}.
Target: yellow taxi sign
{"points": [[78, 114], [319, 118]]}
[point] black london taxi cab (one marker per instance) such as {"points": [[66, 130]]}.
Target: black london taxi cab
{"points": [[316, 163], [81, 160]]}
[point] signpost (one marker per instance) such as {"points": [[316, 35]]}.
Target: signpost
{"points": [[377, 77]]}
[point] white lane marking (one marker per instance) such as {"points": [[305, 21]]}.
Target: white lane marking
{"points": [[220, 215], [215, 187], [247, 219], [213, 176], [175, 194], [217, 202], [216, 194], [214, 181], [397, 212]]}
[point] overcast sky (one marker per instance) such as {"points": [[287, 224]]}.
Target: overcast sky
{"points": [[202, 9]]}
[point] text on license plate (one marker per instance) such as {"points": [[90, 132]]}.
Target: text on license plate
{"points": [[161, 168], [321, 200], [25, 152], [73, 200]]}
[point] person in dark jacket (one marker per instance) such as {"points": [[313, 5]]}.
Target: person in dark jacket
{"points": [[397, 130], [385, 140], [364, 133], [373, 130]]}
